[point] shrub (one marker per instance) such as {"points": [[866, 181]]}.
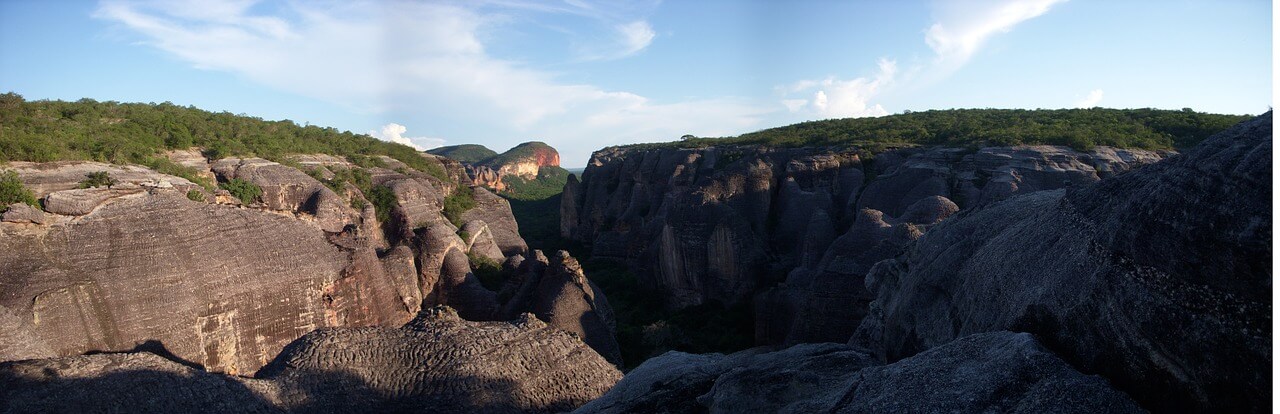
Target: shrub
{"points": [[244, 190], [12, 190], [383, 200], [195, 195], [457, 203], [488, 271], [97, 179]]}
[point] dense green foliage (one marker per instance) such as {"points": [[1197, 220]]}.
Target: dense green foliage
{"points": [[468, 153], [97, 179], [12, 190], [524, 151], [457, 203], [1078, 128], [244, 190], [539, 221], [549, 182], [383, 200], [139, 133], [195, 195]]}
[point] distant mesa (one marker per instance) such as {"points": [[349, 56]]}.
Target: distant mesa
{"points": [[530, 170]]}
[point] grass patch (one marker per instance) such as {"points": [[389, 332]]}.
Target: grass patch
{"points": [[457, 203]]}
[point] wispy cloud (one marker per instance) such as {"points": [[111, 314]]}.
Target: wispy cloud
{"points": [[1095, 96], [959, 31], [430, 60], [395, 133]]}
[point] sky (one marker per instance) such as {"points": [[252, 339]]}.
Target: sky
{"points": [[581, 75]]}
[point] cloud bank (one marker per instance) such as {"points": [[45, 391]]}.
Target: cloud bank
{"points": [[395, 133], [1092, 100], [429, 61], [959, 31]]}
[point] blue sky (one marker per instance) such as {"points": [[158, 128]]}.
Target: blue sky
{"points": [[582, 74]]}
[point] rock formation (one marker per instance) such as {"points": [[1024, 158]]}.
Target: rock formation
{"points": [[488, 169], [795, 229], [225, 286], [991, 372], [557, 291], [1159, 280], [435, 363]]}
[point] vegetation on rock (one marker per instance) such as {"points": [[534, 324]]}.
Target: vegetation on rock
{"points": [[97, 179], [139, 133], [195, 195], [1081, 129], [457, 203], [244, 190], [549, 182], [468, 153], [384, 200], [12, 190]]}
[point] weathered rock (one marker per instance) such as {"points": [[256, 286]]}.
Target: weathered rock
{"points": [[479, 240], [725, 223], [569, 200], [558, 293], [992, 372], [49, 177], [436, 363], [79, 202], [222, 287], [23, 213], [496, 212], [1158, 279], [440, 363], [288, 189]]}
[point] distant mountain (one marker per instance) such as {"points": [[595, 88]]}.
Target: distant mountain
{"points": [[468, 153], [529, 171]]}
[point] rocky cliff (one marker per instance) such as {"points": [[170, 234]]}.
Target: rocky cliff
{"points": [[494, 171], [156, 262], [1159, 279], [435, 363], [795, 229]]}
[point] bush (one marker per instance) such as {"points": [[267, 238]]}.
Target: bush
{"points": [[97, 179], [383, 200], [488, 271], [195, 195], [12, 190], [246, 191], [457, 203]]}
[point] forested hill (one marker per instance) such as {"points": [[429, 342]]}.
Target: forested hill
{"points": [[1078, 128], [116, 132]]}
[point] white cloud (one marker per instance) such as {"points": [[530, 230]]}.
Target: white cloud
{"points": [[395, 133], [430, 60], [959, 30], [1092, 100], [962, 27], [636, 36]]}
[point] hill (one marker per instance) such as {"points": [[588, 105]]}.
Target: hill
{"points": [[1081, 129], [468, 153], [114, 132]]}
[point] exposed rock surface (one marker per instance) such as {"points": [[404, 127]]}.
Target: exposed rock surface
{"points": [[45, 178], [728, 224], [220, 286], [496, 212], [289, 189], [23, 213], [487, 168], [992, 372], [1159, 280], [435, 363], [557, 291]]}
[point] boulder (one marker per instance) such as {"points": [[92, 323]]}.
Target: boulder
{"points": [[288, 189], [496, 212], [23, 213], [1158, 279]]}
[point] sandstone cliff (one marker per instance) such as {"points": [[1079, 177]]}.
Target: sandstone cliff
{"points": [[796, 228], [494, 171], [225, 285], [1159, 279]]}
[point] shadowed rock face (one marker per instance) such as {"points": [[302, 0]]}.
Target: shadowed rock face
{"points": [[727, 224], [436, 363], [556, 291], [1159, 280], [496, 212], [992, 372]]}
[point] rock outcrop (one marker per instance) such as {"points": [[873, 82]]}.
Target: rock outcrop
{"points": [[488, 169], [1159, 280], [775, 225], [496, 213], [556, 291], [435, 363], [991, 372], [286, 188]]}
